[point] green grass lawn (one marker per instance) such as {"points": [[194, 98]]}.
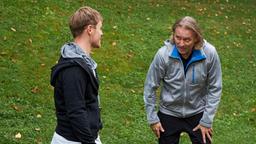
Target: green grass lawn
{"points": [[32, 32]]}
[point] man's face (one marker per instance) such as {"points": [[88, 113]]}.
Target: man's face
{"points": [[184, 40], [96, 35]]}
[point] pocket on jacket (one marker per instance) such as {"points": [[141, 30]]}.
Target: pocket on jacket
{"points": [[196, 74], [196, 94]]}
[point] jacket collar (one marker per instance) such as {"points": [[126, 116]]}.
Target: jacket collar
{"points": [[197, 55]]}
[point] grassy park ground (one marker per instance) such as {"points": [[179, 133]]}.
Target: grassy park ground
{"points": [[32, 32]]}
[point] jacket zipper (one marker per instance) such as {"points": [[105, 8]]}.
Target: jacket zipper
{"points": [[184, 98], [193, 74]]}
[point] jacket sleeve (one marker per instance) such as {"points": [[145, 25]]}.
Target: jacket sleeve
{"points": [[214, 82], [74, 85], [154, 76]]}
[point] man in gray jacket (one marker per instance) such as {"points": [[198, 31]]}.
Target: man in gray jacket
{"points": [[188, 70]]}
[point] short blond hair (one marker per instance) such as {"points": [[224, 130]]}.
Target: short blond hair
{"points": [[191, 24], [83, 17]]}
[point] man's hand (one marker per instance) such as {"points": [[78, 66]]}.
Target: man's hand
{"points": [[157, 128], [205, 132]]}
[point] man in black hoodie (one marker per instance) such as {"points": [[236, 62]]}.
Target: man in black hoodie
{"points": [[76, 84]]}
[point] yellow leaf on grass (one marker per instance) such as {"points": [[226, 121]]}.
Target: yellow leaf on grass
{"points": [[37, 129], [38, 116], [113, 43], [15, 107], [13, 29], [18, 136], [35, 89], [3, 53], [30, 40]]}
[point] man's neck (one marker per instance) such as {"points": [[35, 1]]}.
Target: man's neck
{"points": [[86, 47], [185, 56]]}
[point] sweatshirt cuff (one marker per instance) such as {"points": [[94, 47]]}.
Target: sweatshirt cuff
{"points": [[208, 125], [153, 121]]}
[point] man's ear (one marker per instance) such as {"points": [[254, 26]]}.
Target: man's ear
{"points": [[88, 29]]}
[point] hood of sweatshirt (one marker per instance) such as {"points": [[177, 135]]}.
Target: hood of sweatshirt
{"points": [[72, 50], [73, 55], [64, 63]]}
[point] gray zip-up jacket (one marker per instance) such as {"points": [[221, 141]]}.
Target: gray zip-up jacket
{"points": [[184, 93]]}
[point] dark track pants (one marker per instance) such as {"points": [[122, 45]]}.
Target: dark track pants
{"points": [[174, 126]]}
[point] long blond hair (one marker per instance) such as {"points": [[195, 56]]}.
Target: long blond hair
{"points": [[191, 24]]}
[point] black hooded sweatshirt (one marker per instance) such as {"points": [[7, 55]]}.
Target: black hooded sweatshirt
{"points": [[76, 100]]}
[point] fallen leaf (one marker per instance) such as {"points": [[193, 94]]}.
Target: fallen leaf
{"points": [[35, 89], [3, 53], [13, 29], [113, 43], [129, 55], [30, 40], [200, 9], [15, 107], [38, 142], [253, 110], [18, 136], [38, 116], [42, 65], [37, 129], [13, 60], [127, 122]]}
